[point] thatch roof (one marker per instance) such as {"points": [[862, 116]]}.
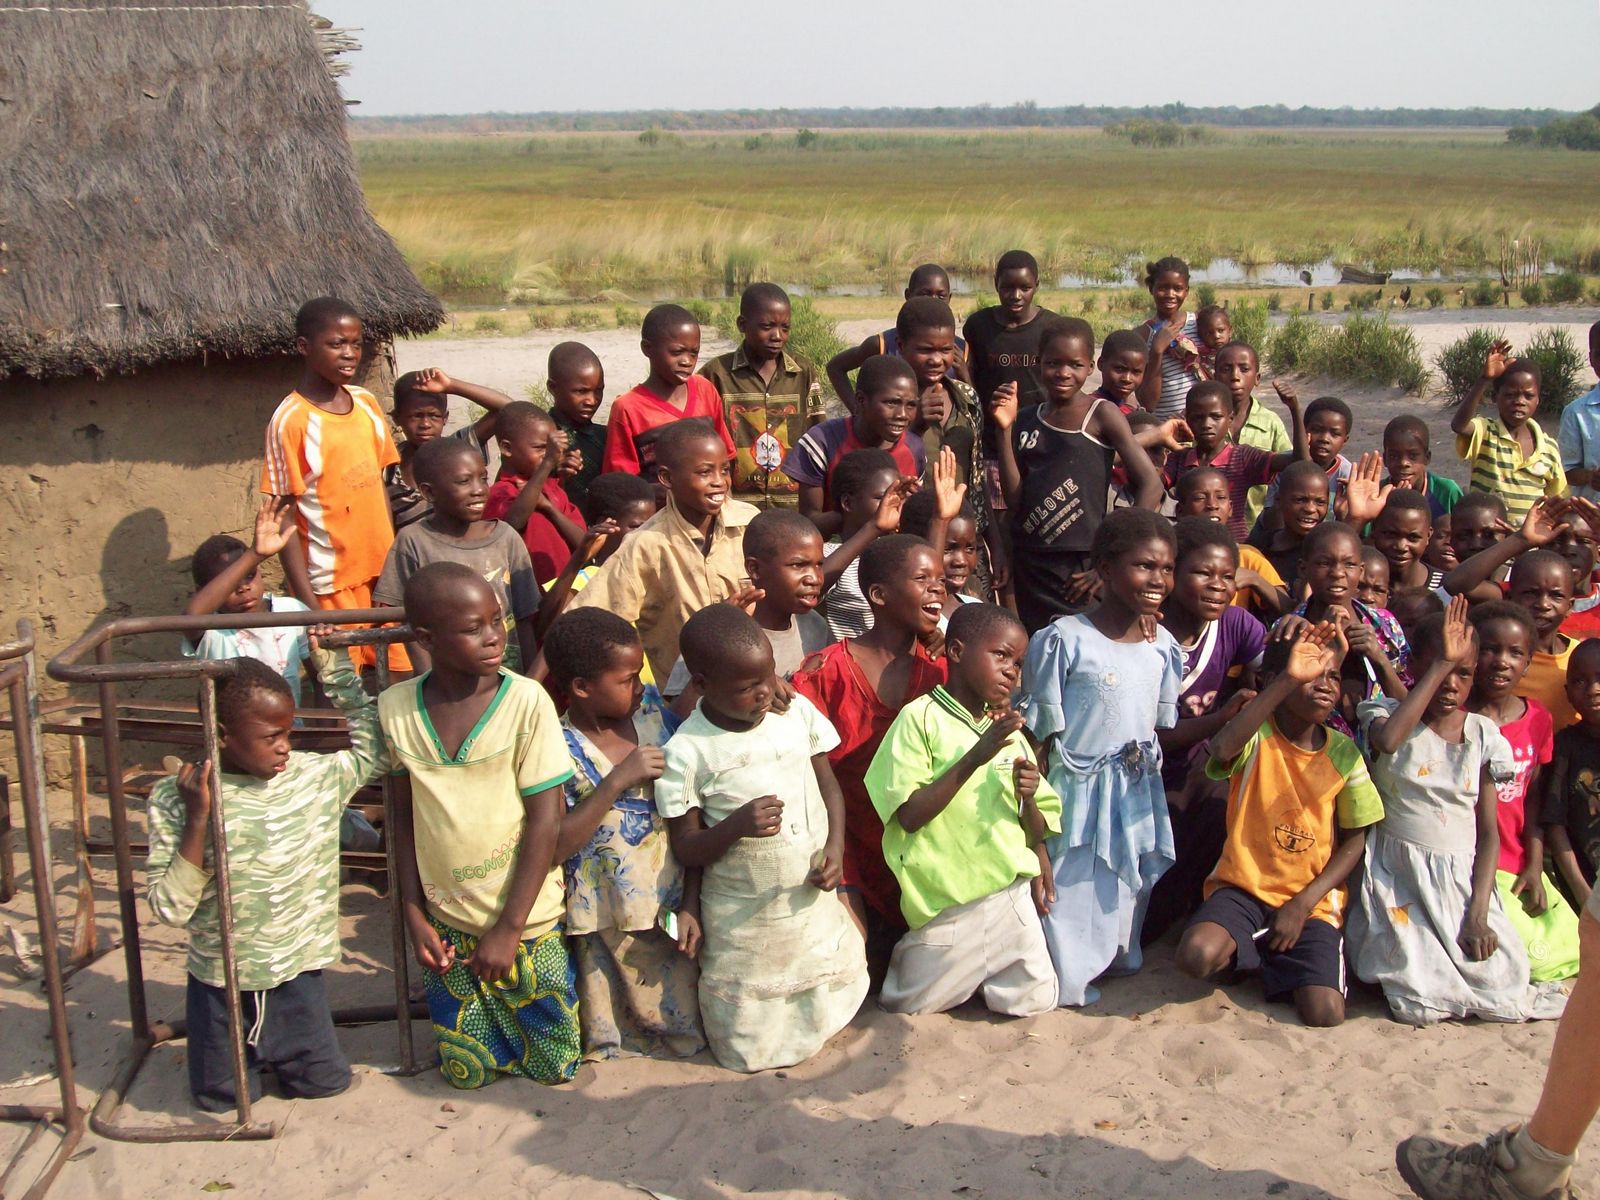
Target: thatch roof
{"points": [[176, 181]]}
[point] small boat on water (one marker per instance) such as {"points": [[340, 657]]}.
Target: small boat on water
{"points": [[1353, 274]]}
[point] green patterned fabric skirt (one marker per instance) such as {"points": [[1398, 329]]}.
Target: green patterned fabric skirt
{"points": [[526, 1024]]}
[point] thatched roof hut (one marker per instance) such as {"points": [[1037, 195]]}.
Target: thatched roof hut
{"points": [[177, 181]]}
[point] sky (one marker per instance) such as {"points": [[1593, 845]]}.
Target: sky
{"points": [[471, 56]]}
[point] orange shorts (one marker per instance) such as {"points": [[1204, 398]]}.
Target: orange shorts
{"points": [[360, 596]]}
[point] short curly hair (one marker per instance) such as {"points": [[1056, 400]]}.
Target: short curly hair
{"points": [[583, 641]]}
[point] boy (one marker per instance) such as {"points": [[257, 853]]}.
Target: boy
{"points": [[1123, 357], [1203, 492], [770, 395], [1299, 803], [527, 494], [1300, 506], [617, 504], [1214, 328], [929, 279], [1003, 341], [283, 810], [862, 683], [1571, 809], [1406, 456], [227, 579], [327, 445], [670, 340], [421, 411], [1208, 411], [1401, 534], [577, 384], [1477, 522], [1579, 436], [1328, 425], [481, 763], [685, 557], [965, 816], [871, 495], [455, 480], [1253, 425], [1511, 455]]}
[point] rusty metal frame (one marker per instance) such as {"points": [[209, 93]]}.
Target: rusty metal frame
{"points": [[19, 679], [105, 674]]}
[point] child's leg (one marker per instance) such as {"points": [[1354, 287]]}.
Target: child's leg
{"points": [[1088, 926], [364, 657], [1311, 972], [1551, 938], [940, 965], [295, 1037], [1221, 935], [636, 994], [211, 1051], [1022, 979]]}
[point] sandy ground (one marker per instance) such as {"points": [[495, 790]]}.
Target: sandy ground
{"points": [[1165, 1089]]}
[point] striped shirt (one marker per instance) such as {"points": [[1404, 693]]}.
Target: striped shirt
{"points": [[332, 464], [1500, 468], [1176, 378], [1244, 467], [283, 853]]}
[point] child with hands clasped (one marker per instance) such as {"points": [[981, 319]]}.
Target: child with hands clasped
{"points": [[527, 493], [1172, 336], [1426, 923], [1510, 454], [965, 817], [1095, 688], [749, 798], [1299, 804], [632, 917], [478, 811]]}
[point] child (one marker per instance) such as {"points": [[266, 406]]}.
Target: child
{"points": [[954, 538], [1208, 412], [1123, 358], [616, 504], [327, 445], [1541, 582], [1055, 471], [1426, 923], [1411, 606], [1406, 455], [1571, 808], [1095, 689], [455, 480], [1477, 522], [625, 893], [1299, 804], [965, 817], [227, 579], [1172, 337], [1215, 329], [771, 395], [1300, 505], [685, 557], [862, 683], [1401, 534], [481, 765], [670, 339], [1579, 435], [421, 411], [1509, 452], [749, 799], [1440, 554], [283, 810], [1203, 492], [1547, 927], [527, 493], [1373, 590], [1328, 425], [1253, 425], [1004, 341], [872, 494], [929, 279], [886, 404], [577, 384]]}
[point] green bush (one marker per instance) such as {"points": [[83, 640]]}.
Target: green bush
{"points": [[627, 317], [702, 312], [1483, 294], [1532, 293], [1327, 301], [1561, 367], [813, 335], [484, 323], [544, 318], [1132, 300], [539, 394], [585, 318], [1251, 324], [1434, 296], [1565, 288], [1460, 364], [1088, 302], [1204, 294], [1364, 301], [1294, 346], [806, 138], [1371, 349]]}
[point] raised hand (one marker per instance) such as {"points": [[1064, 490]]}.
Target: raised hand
{"points": [[274, 525], [1497, 360], [432, 379], [949, 489], [1003, 407], [1365, 495], [1286, 393], [887, 518], [745, 597], [1312, 653], [596, 536], [1459, 646], [1543, 524]]}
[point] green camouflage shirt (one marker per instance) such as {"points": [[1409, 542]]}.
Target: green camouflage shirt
{"points": [[766, 419]]}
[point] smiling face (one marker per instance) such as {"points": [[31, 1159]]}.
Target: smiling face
{"points": [[673, 355], [1441, 554], [1122, 372], [1169, 290], [1504, 652], [459, 487], [1065, 363], [1203, 583], [930, 352], [915, 601], [1577, 546], [1140, 578], [1326, 434], [698, 479], [256, 742], [1302, 503], [887, 412], [1016, 288], [1332, 568], [1401, 535], [989, 667], [740, 690], [766, 331], [791, 578], [466, 632], [334, 351], [1517, 398], [1237, 367]]}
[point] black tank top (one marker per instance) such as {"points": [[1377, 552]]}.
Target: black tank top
{"points": [[1065, 477]]}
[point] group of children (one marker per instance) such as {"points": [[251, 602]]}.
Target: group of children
{"points": [[716, 717]]}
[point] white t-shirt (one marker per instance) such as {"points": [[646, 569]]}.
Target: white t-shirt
{"points": [[807, 633]]}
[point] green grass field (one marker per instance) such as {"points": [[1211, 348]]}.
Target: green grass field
{"points": [[559, 218]]}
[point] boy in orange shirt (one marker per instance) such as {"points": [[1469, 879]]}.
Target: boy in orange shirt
{"points": [[326, 447]]}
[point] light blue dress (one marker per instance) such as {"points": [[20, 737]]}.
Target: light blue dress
{"points": [[1102, 701]]}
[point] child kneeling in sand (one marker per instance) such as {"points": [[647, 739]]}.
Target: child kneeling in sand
{"points": [[965, 815], [749, 797], [477, 815]]}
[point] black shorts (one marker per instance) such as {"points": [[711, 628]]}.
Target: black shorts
{"points": [[1316, 960], [288, 1028]]}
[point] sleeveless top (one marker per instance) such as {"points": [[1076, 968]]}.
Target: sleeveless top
{"points": [[1065, 477]]}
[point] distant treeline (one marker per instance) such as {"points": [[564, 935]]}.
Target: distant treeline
{"points": [[979, 116]]}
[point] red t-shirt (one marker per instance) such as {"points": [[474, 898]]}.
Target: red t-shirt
{"points": [[546, 546], [641, 410], [1532, 739], [834, 682]]}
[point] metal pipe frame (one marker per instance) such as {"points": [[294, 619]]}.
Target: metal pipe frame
{"points": [[105, 674], [18, 678]]}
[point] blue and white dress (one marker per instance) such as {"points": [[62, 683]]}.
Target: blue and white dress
{"points": [[1102, 702]]}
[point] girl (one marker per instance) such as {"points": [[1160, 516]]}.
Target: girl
{"points": [[1055, 470], [1095, 688], [1173, 337], [1547, 926], [942, 518], [632, 918], [1426, 923], [749, 797]]}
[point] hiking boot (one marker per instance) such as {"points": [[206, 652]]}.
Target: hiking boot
{"points": [[1438, 1170]]}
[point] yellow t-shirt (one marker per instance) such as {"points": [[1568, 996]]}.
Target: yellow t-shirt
{"points": [[1545, 680], [467, 811], [1251, 559]]}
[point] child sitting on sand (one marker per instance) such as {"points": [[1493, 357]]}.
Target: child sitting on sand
{"points": [[750, 799], [965, 816], [670, 340]]}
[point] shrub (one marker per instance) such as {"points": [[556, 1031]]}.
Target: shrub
{"points": [[1565, 288], [1483, 294], [1204, 294], [813, 335], [651, 137], [1363, 301], [755, 142], [626, 315], [1088, 302], [1251, 324], [484, 323], [1274, 302], [1132, 300], [806, 138], [1434, 296], [1294, 346], [544, 318], [1460, 364], [1372, 349], [1533, 293], [702, 312], [1327, 301], [585, 318], [1521, 135], [1561, 367]]}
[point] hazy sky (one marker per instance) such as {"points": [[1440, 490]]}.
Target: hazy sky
{"points": [[423, 56]]}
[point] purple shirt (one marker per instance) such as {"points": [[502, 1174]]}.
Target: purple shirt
{"points": [[1235, 639]]}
